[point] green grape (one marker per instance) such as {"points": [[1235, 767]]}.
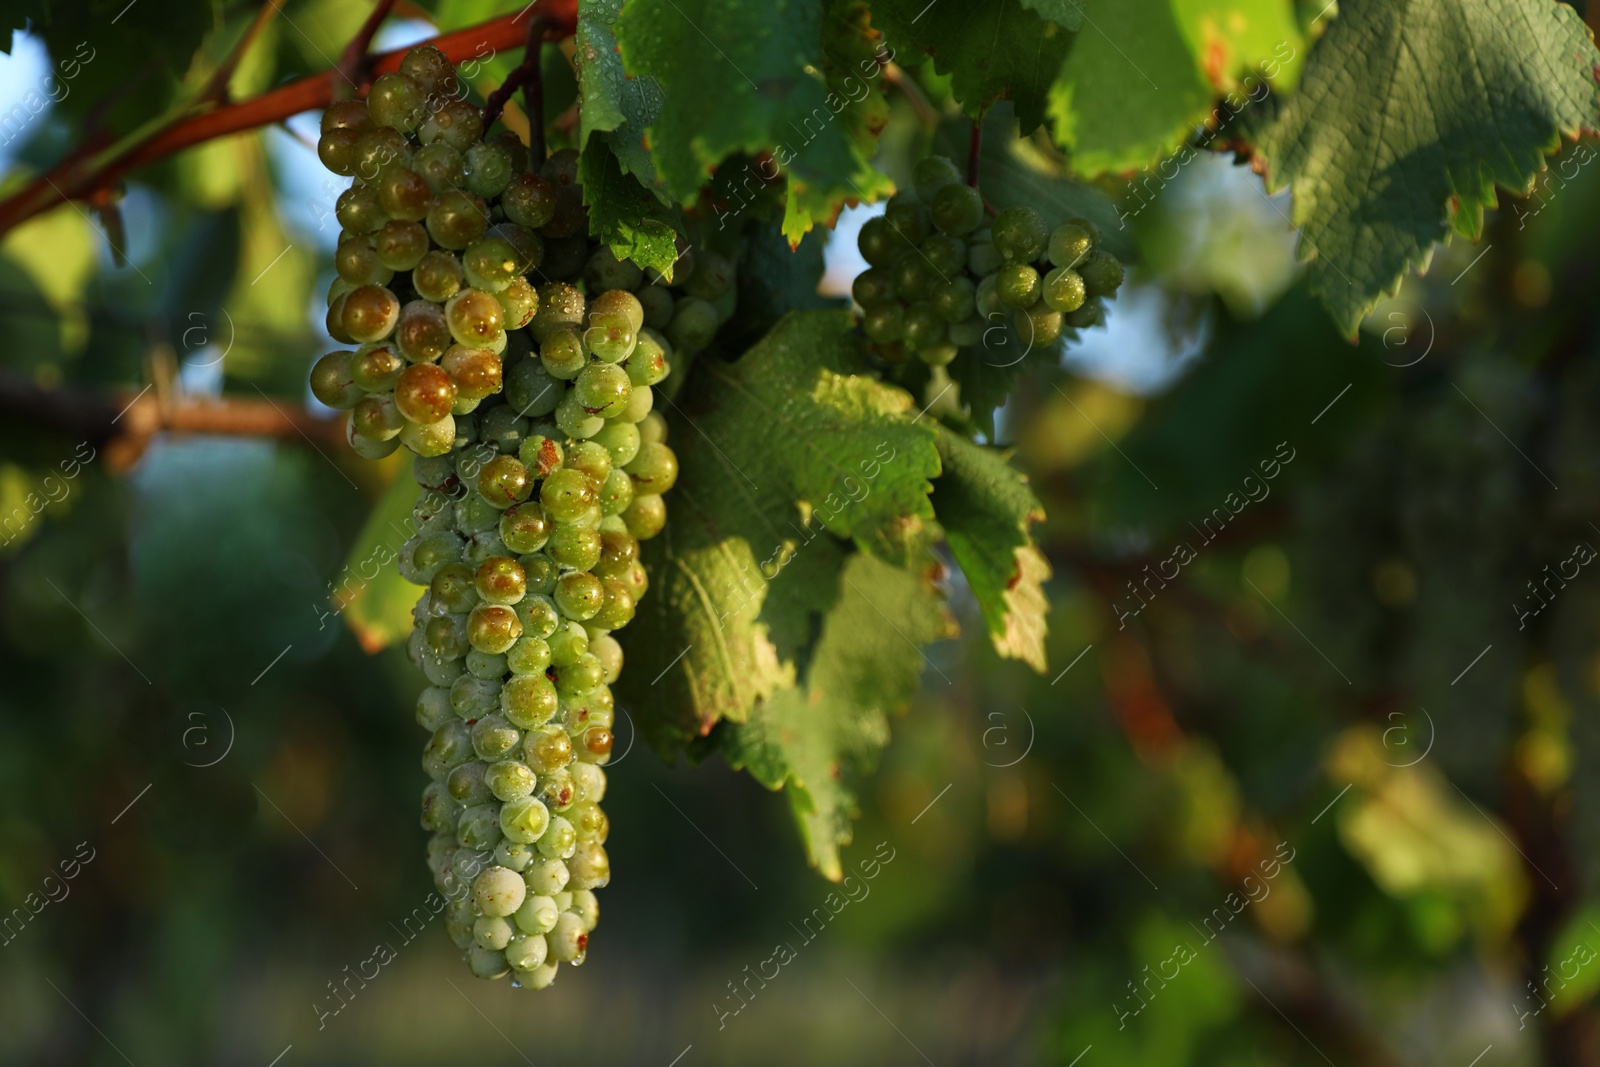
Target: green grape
{"points": [[646, 516], [938, 355], [1039, 325], [618, 606], [1092, 314], [924, 326], [438, 811], [515, 856], [505, 481], [488, 169], [914, 277], [1102, 274], [694, 323], [657, 303], [466, 786], [422, 334], [377, 149], [456, 219], [562, 353], [617, 493], [712, 277], [955, 299], [988, 299], [493, 738], [530, 657], [370, 313], [440, 166], [611, 337], [501, 580], [1064, 289], [510, 780], [1017, 285], [618, 550], [956, 209], [490, 263], [524, 528], [579, 596], [433, 708], [542, 573], [396, 101], [574, 546], [983, 258], [621, 439], [333, 382], [605, 272], [654, 469], [357, 262], [526, 953], [648, 364], [884, 323], [476, 372], [872, 286], [932, 174], [519, 302], [561, 307], [338, 152], [493, 628], [529, 201], [504, 429], [474, 317], [590, 868], [566, 494], [944, 254], [457, 123], [878, 242], [404, 194], [592, 458], [438, 276], [359, 209], [424, 393], [430, 68], [907, 218], [1020, 234], [1070, 244], [524, 821], [538, 913], [602, 389], [400, 245], [484, 666], [531, 389], [568, 643], [376, 417]]}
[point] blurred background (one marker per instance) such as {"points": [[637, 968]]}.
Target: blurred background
{"points": [[1326, 796]]}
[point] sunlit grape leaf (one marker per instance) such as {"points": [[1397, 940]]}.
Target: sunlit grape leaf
{"points": [[375, 600], [610, 101], [808, 738], [986, 508], [1407, 116], [1144, 74], [781, 455], [746, 78], [990, 50], [625, 214]]}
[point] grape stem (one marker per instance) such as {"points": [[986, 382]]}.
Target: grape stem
{"points": [[89, 170], [529, 78], [974, 149], [354, 56]]}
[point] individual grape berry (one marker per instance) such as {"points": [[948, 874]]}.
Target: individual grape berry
{"points": [[694, 323], [645, 517], [983, 259], [1018, 285], [396, 101], [359, 209], [400, 245], [574, 546], [618, 606], [378, 149], [490, 933], [474, 317], [945, 255], [924, 327], [610, 337], [524, 528], [358, 264], [474, 515], [602, 389], [488, 169], [337, 150], [1092, 314], [907, 218], [713, 276], [560, 306], [441, 166], [498, 892], [570, 218], [456, 123], [526, 953], [493, 628], [1102, 274], [430, 68], [621, 439], [519, 302], [456, 219], [872, 286], [648, 364], [505, 481], [579, 596], [1064, 289], [529, 201], [346, 115], [956, 209], [376, 417], [370, 313], [438, 276], [510, 780], [568, 643], [332, 381], [422, 335], [939, 355], [424, 393], [567, 494], [592, 458], [605, 272], [501, 580], [878, 242], [485, 667], [529, 700], [1038, 325], [1070, 244], [1020, 234], [529, 658], [454, 588], [590, 868], [476, 371], [465, 784], [955, 299], [657, 303], [932, 174], [884, 323], [404, 194], [490, 263], [537, 611]]}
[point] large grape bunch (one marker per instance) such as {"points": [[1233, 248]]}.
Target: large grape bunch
{"points": [[529, 408], [943, 285]]}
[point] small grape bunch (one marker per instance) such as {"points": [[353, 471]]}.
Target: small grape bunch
{"points": [[530, 409], [939, 282]]}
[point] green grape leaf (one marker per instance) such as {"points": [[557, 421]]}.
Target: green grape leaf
{"points": [[782, 455], [1407, 116], [986, 508], [625, 214], [374, 599], [1065, 13], [1146, 73], [990, 50], [609, 100], [865, 667], [741, 78]]}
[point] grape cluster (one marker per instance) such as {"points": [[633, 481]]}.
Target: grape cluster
{"points": [[529, 408], [939, 281]]}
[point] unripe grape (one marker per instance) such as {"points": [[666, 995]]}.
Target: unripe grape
{"points": [[456, 123], [377, 418], [537, 915], [337, 150], [438, 276], [404, 194], [560, 305], [357, 261], [515, 856], [524, 527], [487, 964], [456, 219], [932, 174], [956, 299], [884, 323], [654, 469], [505, 481], [493, 628], [590, 868], [602, 389], [465, 784], [610, 336], [713, 276], [579, 595], [488, 169], [395, 100], [501, 580], [566, 494], [525, 952], [332, 381], [529, 657], [694, 323], [924, 326], [400, 245], [438, 810], [1039, 325], [529, 201], [945, 255], [1064, 289], [474, 317], [359, 209], [1070, 244], [646, 516], [485, 667], [492, 932], [606, 273], [424, 393], [509, 780], [422, 335], [490, 263], [525, 821], [1102, 274], [529, 700], [956, 209], [1021, 234], [430, 68], [574, 546], [569, 941], [618, 606], [1018, 285], [433, 708], [378, 149], [519, 302]]}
